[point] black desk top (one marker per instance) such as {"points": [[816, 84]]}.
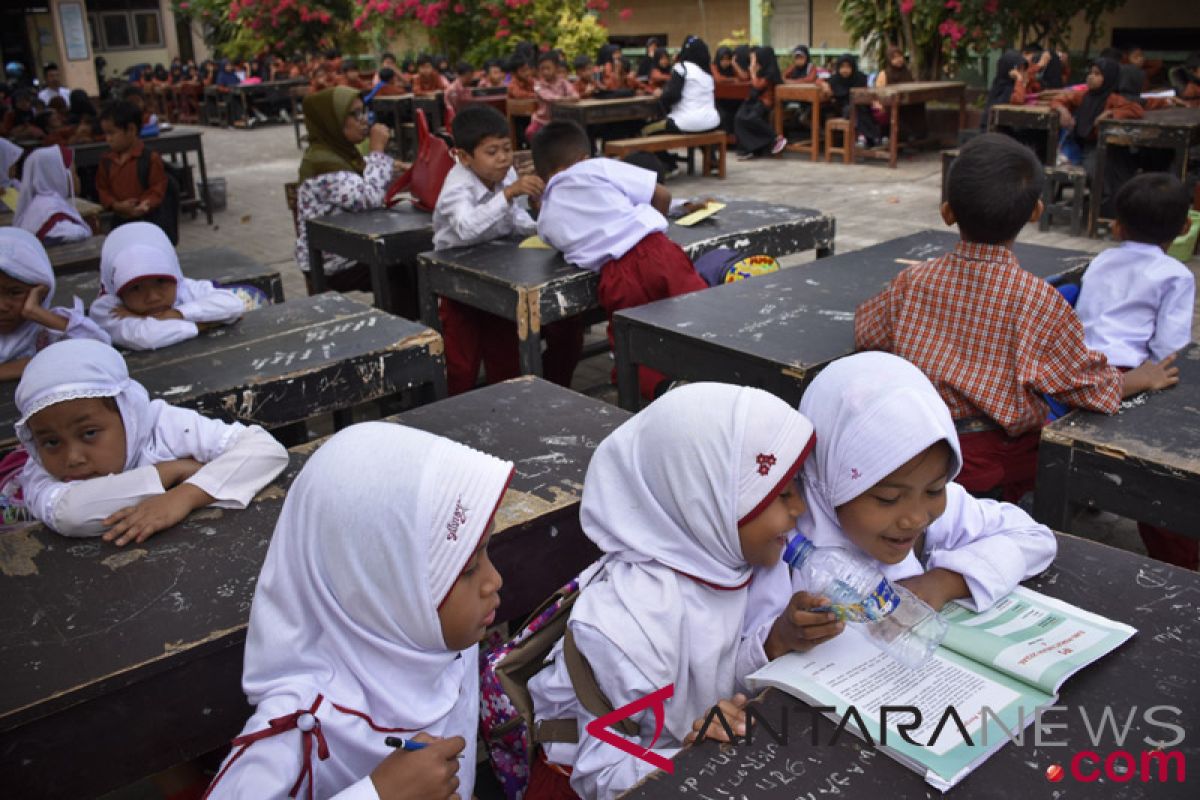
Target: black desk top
{"points": [[387, 234], [1160, 428], [767, 224], [220, 265], [804, 316], [82, 617], [1157, 667], [279, 364]]}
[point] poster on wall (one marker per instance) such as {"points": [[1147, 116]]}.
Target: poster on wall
{"points": [[74, 31]]}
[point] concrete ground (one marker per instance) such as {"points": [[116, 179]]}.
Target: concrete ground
{"points": [[870, 202]]}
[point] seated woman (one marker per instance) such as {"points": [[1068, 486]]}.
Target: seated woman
{"points": [[755, 134], [844, 78], [688, 96], [911, 118], [46, 207]]}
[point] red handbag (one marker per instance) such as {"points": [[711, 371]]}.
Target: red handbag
{"points": [[424, 179]]}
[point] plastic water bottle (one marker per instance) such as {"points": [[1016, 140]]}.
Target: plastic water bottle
{"points": [[897, 621]]}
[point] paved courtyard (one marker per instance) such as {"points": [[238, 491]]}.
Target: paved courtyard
{"points": [[871, 203]]}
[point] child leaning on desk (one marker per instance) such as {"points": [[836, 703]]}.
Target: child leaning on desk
{"points": [[484, 199], [1136, 304], [609, 217], [105, 459]]}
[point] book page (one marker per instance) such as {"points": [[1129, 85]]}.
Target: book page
{"points": [[849, 671], [1033, 638]]}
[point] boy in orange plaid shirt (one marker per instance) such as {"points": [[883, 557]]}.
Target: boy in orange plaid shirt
{"points": [[992, 337]]}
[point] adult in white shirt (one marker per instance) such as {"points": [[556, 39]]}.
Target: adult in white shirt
{"points": [[1136, 301], [689, 95], [54, 87]]}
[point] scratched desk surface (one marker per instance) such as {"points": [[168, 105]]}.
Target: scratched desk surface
{"points": [[286, 363], [1142, 463], [778, 330], [76, 256], [221, 265], [141, 647], [1159, 666]]}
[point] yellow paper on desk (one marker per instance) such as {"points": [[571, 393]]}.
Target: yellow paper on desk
{"points": [[9, 197], [696, 216], [534, 243]]}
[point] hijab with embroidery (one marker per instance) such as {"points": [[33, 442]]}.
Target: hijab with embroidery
{"points": [[663, 498], [1094, 100], [48, 190], [872, 413], [346, 606], [329, 150]]}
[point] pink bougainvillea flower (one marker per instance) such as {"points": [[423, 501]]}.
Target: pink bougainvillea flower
{"points": [[183, 6], [906, 6], [625, 13], [954, 5], [502, 33], [459, 8]]}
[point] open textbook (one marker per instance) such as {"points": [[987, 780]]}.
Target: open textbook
{"points": [[1010, 660]]}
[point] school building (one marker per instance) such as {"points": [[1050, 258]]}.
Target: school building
{"points": [[1157, 25], [75, 33]]}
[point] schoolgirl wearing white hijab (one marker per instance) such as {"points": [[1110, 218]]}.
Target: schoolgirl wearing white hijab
{"points": [[689, 501], [10, 154], [374, 593], [46, 206], [106, 459], [880, 481], [28, 319], [145, 301]]}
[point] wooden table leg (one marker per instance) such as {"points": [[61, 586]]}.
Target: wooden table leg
{"points": [[628, 390], [815, 152], [428, 300], [1097, 187], [778, 116], [962, 114], [1051, 502], [852, 134], [894, 140], [316, 269]]}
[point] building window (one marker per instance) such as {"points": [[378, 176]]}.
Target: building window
{"points": [[125, 24], [115, 28], [148, 31]]}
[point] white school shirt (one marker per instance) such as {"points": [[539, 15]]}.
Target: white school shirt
{"points": [[598, 210], [1136, 303], [468, 213], [696, 110], [207, 303], [48, 94], [240, 461]]}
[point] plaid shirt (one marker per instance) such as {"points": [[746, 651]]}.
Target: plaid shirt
{"points": [[991, 337]]}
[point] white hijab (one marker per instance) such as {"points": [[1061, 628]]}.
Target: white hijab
{"points": [[46, 189], [140, 250], [23, 258], [374, 533], [872, 413], [663, 499], [9, 155]]}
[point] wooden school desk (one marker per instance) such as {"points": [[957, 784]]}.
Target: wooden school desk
{"points": [[891, 98], [1159, 666], [287, 363], [1018, 119], [1174, 129], [534, 287], [121, 662], [73, 257], [220, 265], [386, 240], [778, 331], [178, 142], [801, 93], [737, 90], [1142, 463], [591, 113]]}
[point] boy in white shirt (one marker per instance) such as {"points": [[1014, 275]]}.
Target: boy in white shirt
{"points": [[1136, 304], [484, 199], [609, 217]]}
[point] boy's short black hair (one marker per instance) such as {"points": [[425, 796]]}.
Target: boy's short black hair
{"points": [[478, 122], [1112, 54], [464, 68], [387, 56], [993, 187], [1152, 208], [558, 145], [582, 62], [492, 62], [516, 62], [122, 114], [386, 74], [549, 55], [424, 58]]}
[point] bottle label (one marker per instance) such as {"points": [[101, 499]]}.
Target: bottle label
{"points": [[875, 606]]}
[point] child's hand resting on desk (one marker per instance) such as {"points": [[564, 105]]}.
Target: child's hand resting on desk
{"points": [[428, 774], [1150, 377], [734, 710], [525, 186], [138, 523], [799, 629]]}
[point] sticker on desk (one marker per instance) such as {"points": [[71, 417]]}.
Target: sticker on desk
{"points": [[535, 243], [704, 213], [9, 197]]}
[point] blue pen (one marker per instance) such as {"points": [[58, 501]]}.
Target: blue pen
{"points": [[404, 744]]}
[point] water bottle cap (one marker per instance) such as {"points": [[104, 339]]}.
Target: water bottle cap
{"points": [[797, 550]]}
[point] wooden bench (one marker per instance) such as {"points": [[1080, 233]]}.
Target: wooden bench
{"points": [[150, 638], [834, 127], [674, 141], [1072, 205]]}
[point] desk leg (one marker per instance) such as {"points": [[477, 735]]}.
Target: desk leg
{"points": [[1097, 187], [852, 134], [203, 180], [1051, 501], [962, 114], [316, 269], [529, 345], [815, 153], [778, 116], [894, 141], [628, 388], [427, 299]]}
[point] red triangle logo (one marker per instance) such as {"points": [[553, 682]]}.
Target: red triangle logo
{"points": [[600, 728]]}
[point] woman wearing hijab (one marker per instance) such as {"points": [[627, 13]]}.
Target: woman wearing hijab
{"points": [[1008, 87], [752, 126], [688, 97], [802, 69], [649, 60], [724, 71], [334, 176], [46, 207], [844, 78], [911, 118], [374, 594]]}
